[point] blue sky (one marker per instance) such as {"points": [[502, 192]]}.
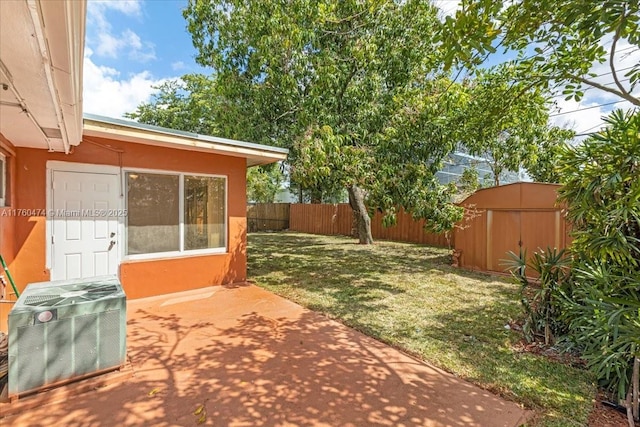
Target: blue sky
{"points": [[133, 45]]}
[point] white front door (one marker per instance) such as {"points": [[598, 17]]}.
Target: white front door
{"points": [[84, 224]]}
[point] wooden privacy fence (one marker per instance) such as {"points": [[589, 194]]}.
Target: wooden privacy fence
{"points": [[322, 219], [513, 217], [338, 220], [268, 217]]}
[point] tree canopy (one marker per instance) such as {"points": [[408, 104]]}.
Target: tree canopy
{"points": [[357, 91], [344, 84], [558, 42], [506, 122]]}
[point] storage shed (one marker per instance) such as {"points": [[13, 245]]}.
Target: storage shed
{"points": [[509, 218]]}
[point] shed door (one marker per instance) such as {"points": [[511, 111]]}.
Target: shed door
{"points": [[84, 241], [503, 235]]}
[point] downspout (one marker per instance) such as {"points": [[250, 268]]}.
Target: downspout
{"points": [[36, 13]]}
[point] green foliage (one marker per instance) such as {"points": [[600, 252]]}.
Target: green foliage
{"points": [[186, 104], [329, 162], [264, 183], [503, 120], [568, 38], [601, 190], [542, 302], [345, 85], [469, 180], [603, 313], [544, 167]]}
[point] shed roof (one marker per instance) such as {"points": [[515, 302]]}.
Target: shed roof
{"points": [[517, 196], [130, 131]]}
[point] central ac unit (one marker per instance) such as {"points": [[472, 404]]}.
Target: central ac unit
{"points": [[66, 329]]}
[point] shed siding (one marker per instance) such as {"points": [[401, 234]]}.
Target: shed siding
{"points": [[510, 218]]}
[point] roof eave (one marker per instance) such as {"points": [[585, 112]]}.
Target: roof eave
{"points": [[255, 154]]}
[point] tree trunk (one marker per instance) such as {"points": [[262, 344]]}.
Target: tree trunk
{"points": [[356, 200], [497, 170], [316, 196]]}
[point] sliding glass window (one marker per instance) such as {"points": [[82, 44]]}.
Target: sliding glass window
{"points": [[175, 213]]}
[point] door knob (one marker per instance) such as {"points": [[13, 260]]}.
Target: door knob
{"points": [[111, 245]]}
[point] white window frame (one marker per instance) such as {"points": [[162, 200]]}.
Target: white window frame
{"points": [[181, 252], [3, 185]]}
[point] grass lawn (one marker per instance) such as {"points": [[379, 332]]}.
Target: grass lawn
{"points": [[408, 296]]}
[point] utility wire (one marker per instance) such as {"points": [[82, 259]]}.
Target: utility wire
{"points": [[588, 89], [587, 108], [587, 131]]}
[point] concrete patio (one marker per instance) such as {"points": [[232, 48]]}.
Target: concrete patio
{"points": [[241, 356]]}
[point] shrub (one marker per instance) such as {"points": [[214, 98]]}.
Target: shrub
{"points": [[601, 189], [542, 300]]}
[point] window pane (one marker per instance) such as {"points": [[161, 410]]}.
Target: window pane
{"points": [[204, 215], [152, 213]]}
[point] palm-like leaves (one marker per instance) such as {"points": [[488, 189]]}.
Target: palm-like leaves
{"points": [[602, 192]]}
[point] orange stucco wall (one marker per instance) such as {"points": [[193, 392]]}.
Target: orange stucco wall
{"points": [[7, 220], [139, 278]]}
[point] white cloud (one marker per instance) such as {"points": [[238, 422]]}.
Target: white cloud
{"points": [[108, 44], [578, 115], [107, 93], [178, 65], [447, 7], [567, 115], [128, 7]]}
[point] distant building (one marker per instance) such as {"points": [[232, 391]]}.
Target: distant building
{"points": [[458, 161], [452, 170]]}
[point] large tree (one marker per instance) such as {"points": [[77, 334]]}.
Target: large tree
{"points": [[544, 168], [506, 122], [348, 79], [558, 41], [186, 104], [189, 104], [502, 117]]}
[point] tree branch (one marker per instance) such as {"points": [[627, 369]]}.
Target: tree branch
{"points": [[624, 94], [286, 113], [344, 87], [616, 37]]}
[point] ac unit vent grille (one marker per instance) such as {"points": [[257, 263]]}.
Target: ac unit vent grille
{"points": [[71, 294], [39, 299]]}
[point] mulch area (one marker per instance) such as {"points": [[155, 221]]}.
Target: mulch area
{"points": [[603, 414], [606, 416]]}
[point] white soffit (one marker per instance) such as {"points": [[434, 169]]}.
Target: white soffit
{"points": [[41, 49]]}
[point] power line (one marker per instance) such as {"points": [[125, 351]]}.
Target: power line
{"points": [[617, 71], [589, 88], [586, 108], [587, 131], [626, 49]]}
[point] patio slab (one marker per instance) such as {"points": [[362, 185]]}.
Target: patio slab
{"points": [[241, 356]]}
